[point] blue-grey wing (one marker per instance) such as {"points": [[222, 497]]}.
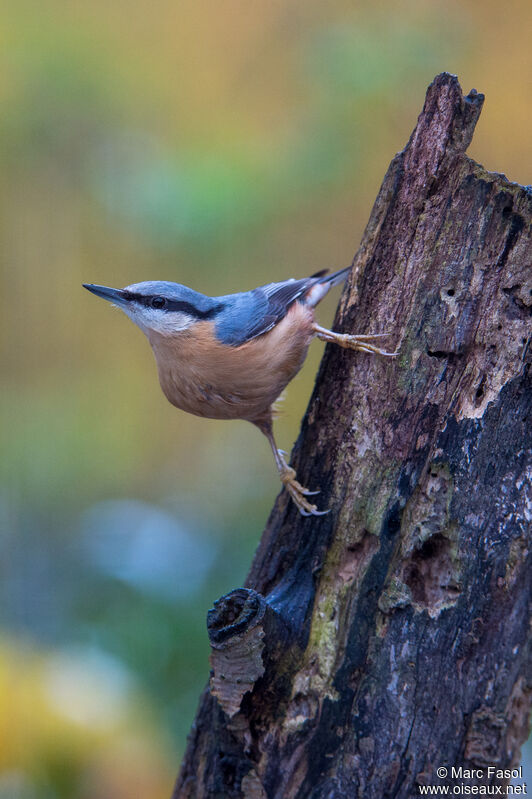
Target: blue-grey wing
{"points": [[246, 316]]}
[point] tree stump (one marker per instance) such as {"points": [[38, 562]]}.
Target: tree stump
{"points": [[392, 636]]}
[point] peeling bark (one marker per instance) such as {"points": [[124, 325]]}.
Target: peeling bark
{"points": [[395, 631]]}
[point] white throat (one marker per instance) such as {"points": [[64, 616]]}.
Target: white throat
{"points": [[166, 323]]}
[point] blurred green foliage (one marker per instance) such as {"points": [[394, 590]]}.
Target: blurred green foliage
{"points": [[222, 146]]}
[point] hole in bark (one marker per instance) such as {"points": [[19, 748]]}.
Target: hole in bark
{"points": [[358, 556], [447, 294], [450, 356], [518, 306], [479, 393], [429, 574]]}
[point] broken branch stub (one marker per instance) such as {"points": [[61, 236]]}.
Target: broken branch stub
{"points": [[236, 637], [248, 639]]}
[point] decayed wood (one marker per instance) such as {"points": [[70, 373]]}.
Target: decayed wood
{"points": [[398, 636]]}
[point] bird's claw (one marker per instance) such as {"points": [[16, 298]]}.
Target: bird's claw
{"points": [[299, 493], [363, 343]]}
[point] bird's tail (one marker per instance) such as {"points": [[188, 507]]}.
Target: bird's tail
{"points": [[323, 283]]}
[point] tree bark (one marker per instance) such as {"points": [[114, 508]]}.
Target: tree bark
{"points": [[392, 636]]}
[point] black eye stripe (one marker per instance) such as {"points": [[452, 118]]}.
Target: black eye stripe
{"points": [[174, 305]]}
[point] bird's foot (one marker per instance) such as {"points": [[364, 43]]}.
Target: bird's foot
{"points": [[299, 493], [362, 342]]}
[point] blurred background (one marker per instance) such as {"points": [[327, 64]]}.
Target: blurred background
{"points": [[218, 144]]}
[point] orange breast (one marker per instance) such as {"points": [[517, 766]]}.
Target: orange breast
{"points": [[202, 376]]}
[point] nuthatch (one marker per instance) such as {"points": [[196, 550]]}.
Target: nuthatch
{"points": [[231, 357]]}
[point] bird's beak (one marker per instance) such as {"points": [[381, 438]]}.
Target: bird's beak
{"points": [[113, 295]]}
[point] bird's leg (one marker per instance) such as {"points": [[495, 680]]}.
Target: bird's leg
{"points": [[288, 476], [353, 342]]}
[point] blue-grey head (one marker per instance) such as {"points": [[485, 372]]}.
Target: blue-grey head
{"points": [[159, 306]]}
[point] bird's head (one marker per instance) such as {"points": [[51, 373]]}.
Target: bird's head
{"points": [[158, 306]]}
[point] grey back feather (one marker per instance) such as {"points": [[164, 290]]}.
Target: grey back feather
{"points": [[246, 316]]}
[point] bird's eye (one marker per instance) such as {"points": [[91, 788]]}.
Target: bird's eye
{"points": [[158, 302]]}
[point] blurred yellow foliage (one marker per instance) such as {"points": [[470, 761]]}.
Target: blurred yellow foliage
{"points": [[73, 721]]}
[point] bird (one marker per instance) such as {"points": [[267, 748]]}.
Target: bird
{"points": [[231, 357]]}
